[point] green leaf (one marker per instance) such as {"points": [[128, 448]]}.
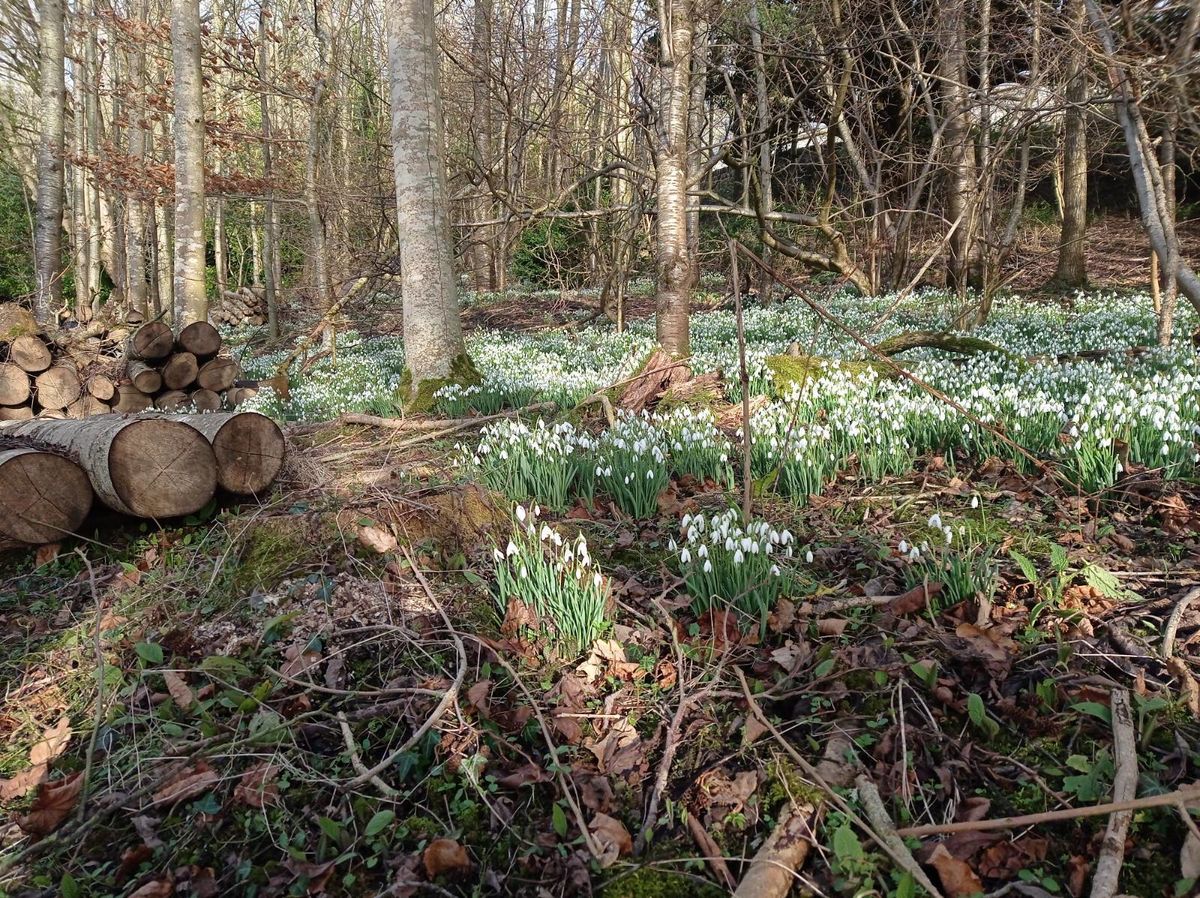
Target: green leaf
{"points": [[1103, 712], [331, 828], [846, 846], [1105, 582], [68, 887], [824, 668], [149, 652], [1027, 567], [377, 824], [906, 887], [976, 709], [1058, 558], [559, 820]]}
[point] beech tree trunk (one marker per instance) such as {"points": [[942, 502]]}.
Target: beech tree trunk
{"points": [[48, 228], [191, 303], [433, 336], [1071, 271], [135, 208], [675, 269], [962, 270], [268, 235]]}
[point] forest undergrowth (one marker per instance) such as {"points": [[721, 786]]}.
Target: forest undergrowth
{"points": [[555, 655]]}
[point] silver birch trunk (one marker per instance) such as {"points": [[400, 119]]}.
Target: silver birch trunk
{"points": [[433, 338], [49, 216], [191, 302]]}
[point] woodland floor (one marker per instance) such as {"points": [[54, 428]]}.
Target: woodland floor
{"points": [[206, 699]]}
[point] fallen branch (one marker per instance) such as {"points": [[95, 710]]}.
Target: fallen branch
{"points": [[868, 796], [326, 319], [437, 424], [773, 869], [1112, 850], [1173, 622], [711, 852]]}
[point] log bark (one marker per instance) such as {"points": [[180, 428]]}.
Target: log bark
{"points": [[152, 341], [201, 339], [148, 467], [180, 371], [58, 387], [14, 384], [217, 375], [145, 378], [30, 354], [86, 406], [43, 497], [249, 449]]}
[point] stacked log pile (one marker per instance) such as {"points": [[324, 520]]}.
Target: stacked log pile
{"points": [[71, 376], [246, 305], [187, 373], [148, 466]]}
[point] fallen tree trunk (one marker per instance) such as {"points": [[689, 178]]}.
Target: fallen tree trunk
{"points": [[943, 340], [43, 497], [249, 449], [146, 467]]}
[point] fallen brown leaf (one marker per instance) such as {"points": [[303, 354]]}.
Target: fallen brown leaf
{"points": [[23, 782], [53, 804], [620, 751], [163, 887], [316, 875], [445, 856], [612, 838], [192, 782], [298, 661], [52, 744], [46, 554], [257, 787], [915, 599], [181, 692], [377, 539], [957, 877]]}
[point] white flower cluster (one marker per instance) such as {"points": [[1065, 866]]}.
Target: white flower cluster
{"points": [[725, 563], [553, 576]]}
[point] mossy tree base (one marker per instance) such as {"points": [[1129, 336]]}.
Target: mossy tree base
{"points": [[419, 398]]}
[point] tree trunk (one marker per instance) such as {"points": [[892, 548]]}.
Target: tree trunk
{"points": [[268, 230], [52, 91], [191, 302], [675, 270], [1071, 271], [135, 210], [433, 336], [962, 271]]}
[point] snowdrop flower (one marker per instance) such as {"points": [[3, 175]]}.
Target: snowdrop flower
{"points": [[935, 521], [511, 549], [775, 570], [685, 556], [707, 566], [520, 512], [738, 557], [808, 555], [903, 547], [949, 534], [496, 554], [975, 501]]}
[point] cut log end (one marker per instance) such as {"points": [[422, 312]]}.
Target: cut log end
{"points": [[201, 339], [162, 468], [249, 449], [58, 387], [43, 497], [14, 384], [30, 354], [153, 341]]}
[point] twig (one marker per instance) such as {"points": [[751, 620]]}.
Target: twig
{"points": [[98, 717], [869, 797], [600, 398], [1112, 850], [1178, 798], [447, 699], [711, 851], [1173, 622], [356, 762], [440, 424]]}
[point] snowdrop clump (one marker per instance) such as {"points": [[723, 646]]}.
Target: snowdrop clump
{"points": [[556, 578], [631, 464], [726, 564], [944, 556], [538, 462], [695, 446]]}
